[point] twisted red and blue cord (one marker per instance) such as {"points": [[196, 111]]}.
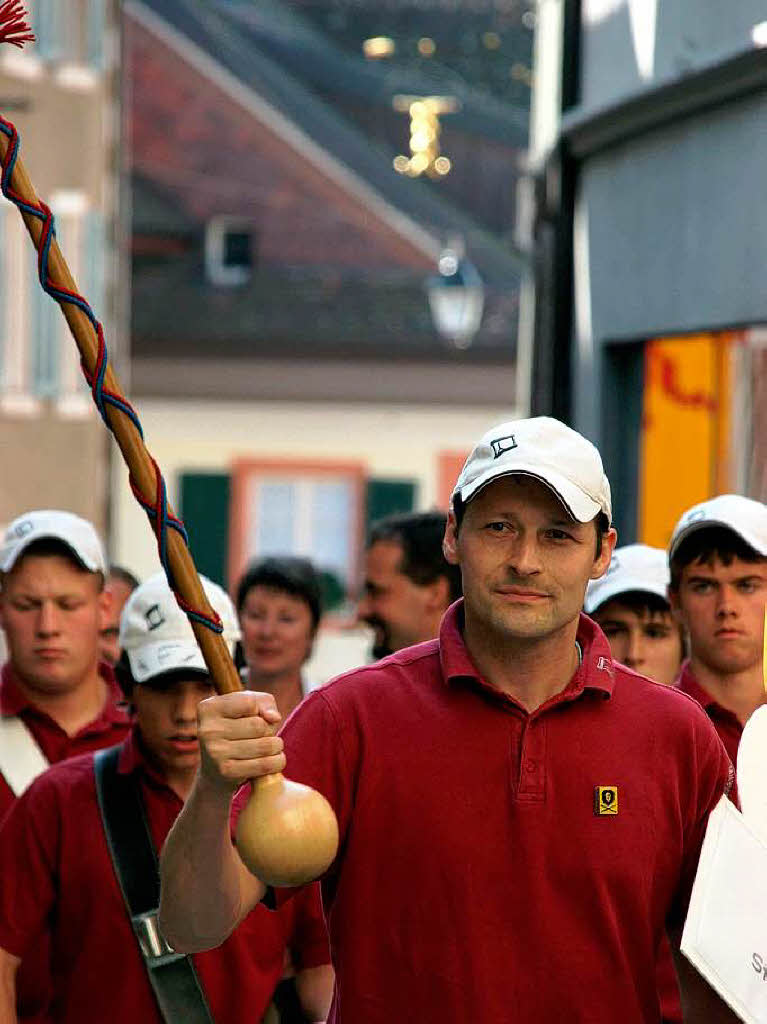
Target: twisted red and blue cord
{"points": [[157, 510]]}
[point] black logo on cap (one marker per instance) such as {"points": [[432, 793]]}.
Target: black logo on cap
{"points": [[502, 444], [154, 617]]}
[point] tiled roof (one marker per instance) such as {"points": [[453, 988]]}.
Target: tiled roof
{"points": [[239, 53], [296, 313]]}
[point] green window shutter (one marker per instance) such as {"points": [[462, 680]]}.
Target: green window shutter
{"points": [[205, 501], [388, 498], [96, 30]]}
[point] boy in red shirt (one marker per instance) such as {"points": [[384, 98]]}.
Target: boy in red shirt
{"points": [[56, 872], [718, 590]]}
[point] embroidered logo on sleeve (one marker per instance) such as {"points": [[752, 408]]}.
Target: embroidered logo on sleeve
{"points": [[605, 800]]}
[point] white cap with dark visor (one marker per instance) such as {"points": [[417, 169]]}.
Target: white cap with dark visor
{"points": [[549, 451], [634, 568], [156, 634], [743, 516], [52, 524]]}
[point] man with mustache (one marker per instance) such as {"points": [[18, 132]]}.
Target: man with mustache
{"points": [[408, 583], [57, 874], [509, 849]]}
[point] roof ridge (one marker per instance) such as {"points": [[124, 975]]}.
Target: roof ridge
{"points": [[429, 214]]}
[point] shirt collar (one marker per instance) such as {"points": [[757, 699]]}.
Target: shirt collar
{"points": [[13, 700], [687, 683], [596, 671]]}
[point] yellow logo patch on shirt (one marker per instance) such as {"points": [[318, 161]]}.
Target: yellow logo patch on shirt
{"points": [[605, 800]]}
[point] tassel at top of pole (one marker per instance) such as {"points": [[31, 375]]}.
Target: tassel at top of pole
{"points": [[13, 27]]}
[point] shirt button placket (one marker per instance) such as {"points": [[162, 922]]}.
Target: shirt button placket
{"points": [[532, 782]]}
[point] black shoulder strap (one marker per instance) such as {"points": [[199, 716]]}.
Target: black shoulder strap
{"points": [[172, 975]]}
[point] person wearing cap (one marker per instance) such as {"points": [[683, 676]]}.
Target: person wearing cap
{"points": [[56, 870], [279, 604], [509, 850], [120, 584], [718, 590], [57, 697], [408, 583], [630, 604]]}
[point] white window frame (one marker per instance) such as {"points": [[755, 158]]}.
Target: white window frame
{"points": [[248, 475], [71, 208], [215, 243], [16, 398]]}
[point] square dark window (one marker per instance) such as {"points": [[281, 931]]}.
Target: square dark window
{"points": [[238, 249]]}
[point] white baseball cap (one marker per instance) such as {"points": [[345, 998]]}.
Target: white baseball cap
{"points": [[156, 634], [78, 534], [635, 567], [548, 450], [744, 516]]}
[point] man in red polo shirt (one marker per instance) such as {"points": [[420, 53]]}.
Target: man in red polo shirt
{"points": [[509, 850], [718, 589], [56, 871], [57, 699]]}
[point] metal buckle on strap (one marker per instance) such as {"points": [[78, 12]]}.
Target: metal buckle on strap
{"points": [[150, 938]]}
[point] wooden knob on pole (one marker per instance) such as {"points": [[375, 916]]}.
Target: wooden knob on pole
{"points": [[287, 834]]}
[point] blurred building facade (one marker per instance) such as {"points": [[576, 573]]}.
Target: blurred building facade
{"points": [[290, 379], [62, 93], [645, 309]]}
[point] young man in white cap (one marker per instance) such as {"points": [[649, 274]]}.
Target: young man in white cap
{"points": [[718, 589], [70, 847], [509, 851], [630, 604], [57, 698]]}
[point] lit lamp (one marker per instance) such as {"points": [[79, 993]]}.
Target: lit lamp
{"points": [[456, 298]]}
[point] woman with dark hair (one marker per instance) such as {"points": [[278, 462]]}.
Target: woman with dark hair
{"points": [[279, 603]]}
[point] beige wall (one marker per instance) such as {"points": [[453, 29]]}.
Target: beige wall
{"points": [[48, 462], [54, 451], [392, 441]]}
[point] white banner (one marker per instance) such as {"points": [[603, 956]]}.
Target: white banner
{"points": [[725, 934]]}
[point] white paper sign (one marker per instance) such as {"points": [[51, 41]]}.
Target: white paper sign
{"points": [[725, 934]]}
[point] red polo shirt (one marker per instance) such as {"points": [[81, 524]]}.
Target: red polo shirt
{"points": [[55, 868], [108, 728], [726, 722], [475, 882]]}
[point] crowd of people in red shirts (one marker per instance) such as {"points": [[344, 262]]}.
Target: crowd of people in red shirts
{"points": [[522, 778]]}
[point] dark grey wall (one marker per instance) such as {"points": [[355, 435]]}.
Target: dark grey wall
{"points": [[688, 34], [674, 225]]}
